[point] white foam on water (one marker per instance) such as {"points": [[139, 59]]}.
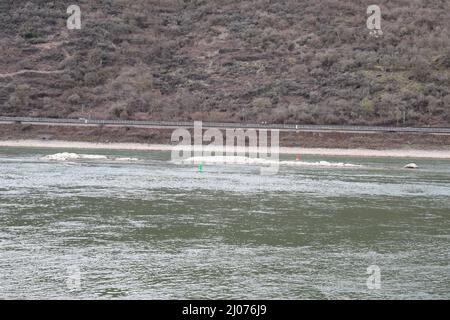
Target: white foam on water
{"points": [[65, 156], [260, 161], [319, 164], [126, 159], [225, 160]]}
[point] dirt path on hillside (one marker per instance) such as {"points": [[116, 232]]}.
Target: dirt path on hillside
{"points": [[6, 75]]}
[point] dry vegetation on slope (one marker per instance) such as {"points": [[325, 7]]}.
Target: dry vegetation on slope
{"points": [[228, 60]]}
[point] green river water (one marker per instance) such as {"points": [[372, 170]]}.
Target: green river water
{"points": [[153, 229]]}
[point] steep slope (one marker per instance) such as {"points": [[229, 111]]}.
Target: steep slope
{"points": [[228, 60]]}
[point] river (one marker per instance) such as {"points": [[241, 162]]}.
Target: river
{"points": [[151, 229]]}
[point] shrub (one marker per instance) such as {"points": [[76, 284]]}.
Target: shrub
{"points": [[21, 97], [261, 103], [92, 79], [116, 111], [420, 69], [74, 98], [366, 105]]}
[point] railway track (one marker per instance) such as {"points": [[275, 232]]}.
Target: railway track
{"points": [[181, 124]]}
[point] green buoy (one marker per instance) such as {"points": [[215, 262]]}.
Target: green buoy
{"points": [[200, 167]]}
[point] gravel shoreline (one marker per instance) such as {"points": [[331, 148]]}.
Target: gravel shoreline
{"points": [[397, 153]]}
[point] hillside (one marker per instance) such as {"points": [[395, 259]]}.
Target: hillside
{"points": [[227, 60]]}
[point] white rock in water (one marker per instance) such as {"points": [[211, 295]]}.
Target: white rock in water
{"points": [[61, 156], [64, 156], [259, 161], [411, 166], [92, 157]]}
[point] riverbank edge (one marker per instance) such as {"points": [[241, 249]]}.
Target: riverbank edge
{"points": [[393, 153]]}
